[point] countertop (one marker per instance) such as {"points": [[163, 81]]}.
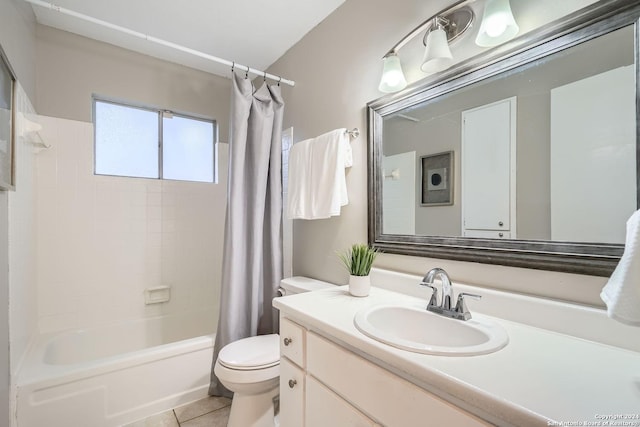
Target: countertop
{"points": [[540, 378]]}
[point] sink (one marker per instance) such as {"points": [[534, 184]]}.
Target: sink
{"points": [[421, 331]]}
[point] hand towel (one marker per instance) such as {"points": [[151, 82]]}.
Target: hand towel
{"points": [[298, 199], [622, 291], [317, 182]]}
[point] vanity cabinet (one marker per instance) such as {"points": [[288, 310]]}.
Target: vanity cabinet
{"points": [[322, 383]]}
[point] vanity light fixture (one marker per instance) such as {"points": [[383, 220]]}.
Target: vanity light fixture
{"points": [[439, 30], [498, 24]]}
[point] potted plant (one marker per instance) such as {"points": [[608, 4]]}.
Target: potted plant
{"points": [[358, 260]]}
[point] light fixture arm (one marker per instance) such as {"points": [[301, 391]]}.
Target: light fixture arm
{"points": [[429, 22]]}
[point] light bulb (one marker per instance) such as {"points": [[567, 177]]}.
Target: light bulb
{"points": [[496, 25], [392, 79]]}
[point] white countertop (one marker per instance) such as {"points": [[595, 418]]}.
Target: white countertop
{"points": [[539, 377]]}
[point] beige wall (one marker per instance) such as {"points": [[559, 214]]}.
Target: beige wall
{"points": [[533, 181], [336, 68], [431, 135], [438, 131], [71, 68], [18, 39]]}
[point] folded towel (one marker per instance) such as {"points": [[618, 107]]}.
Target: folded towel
{"points": [[622, 291], [317, 183]]}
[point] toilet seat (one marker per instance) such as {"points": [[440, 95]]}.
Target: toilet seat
{"points": [[251, 353]]}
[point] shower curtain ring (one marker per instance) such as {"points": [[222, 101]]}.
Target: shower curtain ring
{"points": [[265, 76], [233, 66], [246, 73], [279, 80]]}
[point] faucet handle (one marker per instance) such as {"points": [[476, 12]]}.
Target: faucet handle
{"points": [[434, 295], [461, 307]]}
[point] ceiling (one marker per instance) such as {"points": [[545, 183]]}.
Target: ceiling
{"points": [[250, 32]]}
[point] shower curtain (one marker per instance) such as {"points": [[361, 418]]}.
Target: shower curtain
{"points": [[252, 260]]}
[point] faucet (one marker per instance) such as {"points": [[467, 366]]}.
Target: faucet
{"points": [[460, 311], [447, 289]]}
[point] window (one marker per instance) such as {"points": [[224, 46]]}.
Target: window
{"points": [[149, 143]]}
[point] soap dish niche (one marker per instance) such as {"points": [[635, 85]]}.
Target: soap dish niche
{"points": [[157, 295]]}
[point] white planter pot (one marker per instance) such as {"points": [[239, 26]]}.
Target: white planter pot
{"points": [[359, 285]]}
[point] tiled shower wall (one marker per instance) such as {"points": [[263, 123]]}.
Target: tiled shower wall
{"points": [[22, 237], [103, 240]]}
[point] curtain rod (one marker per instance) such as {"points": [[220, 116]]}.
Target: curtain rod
{"points": [[159, 41]]}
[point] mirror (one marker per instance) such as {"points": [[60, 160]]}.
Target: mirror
{"points": [[528, 162]]}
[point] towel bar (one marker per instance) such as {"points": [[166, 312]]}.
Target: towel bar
{"points": [[353, 133]]}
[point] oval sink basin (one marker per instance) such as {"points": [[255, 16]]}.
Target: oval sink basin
{"points": [[421, 331]]}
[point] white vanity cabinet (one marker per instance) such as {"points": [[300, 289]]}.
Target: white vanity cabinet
{"points": [[323, 384], [304, 400]]}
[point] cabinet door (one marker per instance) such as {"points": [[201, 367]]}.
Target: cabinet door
{"points": [[390, 400], [488, 166], [291, 394], [324, 408]]}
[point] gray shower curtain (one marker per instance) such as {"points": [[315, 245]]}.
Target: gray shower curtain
{"points": [[252, 260]]}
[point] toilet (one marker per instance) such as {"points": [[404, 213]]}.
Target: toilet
{"points": [[250, 367]]}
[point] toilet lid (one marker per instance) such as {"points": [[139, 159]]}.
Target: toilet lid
{"points": [[258, 352]]}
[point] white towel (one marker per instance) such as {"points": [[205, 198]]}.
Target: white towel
{"points": [[317, 184], [622, 291]]}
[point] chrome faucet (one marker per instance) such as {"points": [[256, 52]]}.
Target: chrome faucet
{"points": [[460, 311], [447, 289]]}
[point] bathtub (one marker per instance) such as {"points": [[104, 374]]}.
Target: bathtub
{"points": [[114, 375]]}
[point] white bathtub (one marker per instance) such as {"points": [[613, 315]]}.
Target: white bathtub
{"points": [[114, 375]]}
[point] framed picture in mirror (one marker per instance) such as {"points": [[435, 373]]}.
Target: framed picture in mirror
{"points": [[7, 123], [437, 179]]}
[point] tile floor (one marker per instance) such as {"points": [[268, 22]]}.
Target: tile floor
{"points": [[209, 412]]}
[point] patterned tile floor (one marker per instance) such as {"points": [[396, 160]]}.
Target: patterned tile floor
{"points": [[209, 412]]}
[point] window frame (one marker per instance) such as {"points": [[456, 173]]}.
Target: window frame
{"points": [[161, 113]]}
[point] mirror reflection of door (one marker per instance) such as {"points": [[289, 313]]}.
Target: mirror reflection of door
{"points": [[399, 193], [488, 170]]}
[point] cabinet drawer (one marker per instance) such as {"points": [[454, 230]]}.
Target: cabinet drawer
{"points": [[381, 395], [291, 394], [488, 234], [325, 408], [292, 345]]}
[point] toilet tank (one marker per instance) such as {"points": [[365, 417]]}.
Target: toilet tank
{"points": [[299, 284]]}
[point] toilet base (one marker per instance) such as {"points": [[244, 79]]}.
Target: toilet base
{"points": [[253, 410]]}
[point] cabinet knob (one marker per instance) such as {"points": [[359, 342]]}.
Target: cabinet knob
{"points": [[287, 341], [292, 383], [500, 234], [501, 223]]}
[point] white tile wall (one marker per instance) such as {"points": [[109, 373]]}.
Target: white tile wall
{"points": [[22, 241], [22, 249], [103, 240]]}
